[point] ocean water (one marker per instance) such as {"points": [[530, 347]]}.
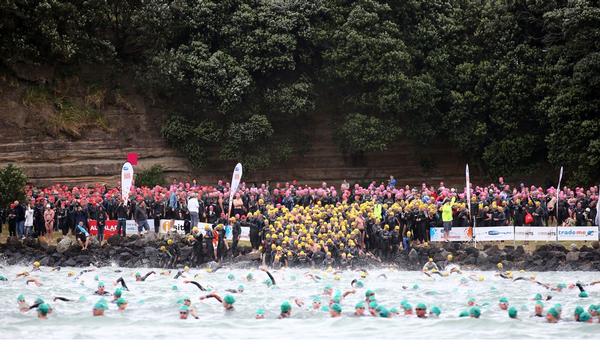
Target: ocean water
{"points": [[154, 310]]}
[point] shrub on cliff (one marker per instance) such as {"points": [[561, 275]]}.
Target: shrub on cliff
{"points": [[151, 177], [12, 183]]}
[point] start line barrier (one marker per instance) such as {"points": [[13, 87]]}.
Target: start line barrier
{"points": [[521, 233], [165, 227]]}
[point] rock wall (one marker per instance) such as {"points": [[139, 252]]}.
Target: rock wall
{"points": [[131, 124]]}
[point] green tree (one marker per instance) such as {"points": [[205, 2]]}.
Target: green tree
{"points": [[12, 185], [150, 177]]}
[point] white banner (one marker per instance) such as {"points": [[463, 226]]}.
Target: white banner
{"points": [[235, 182], [126, 181], [456, 234], [131, 227], [535, 233], [468, 191], [494, 233], [577, 233]]}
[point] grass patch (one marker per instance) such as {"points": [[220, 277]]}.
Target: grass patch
{"points": [[72, 118], [37, 95]]}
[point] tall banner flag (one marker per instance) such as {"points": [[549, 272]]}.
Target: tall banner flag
{"points": [[468, 189], [558, 193], [598, 208], [235, 183], [126, 181]]}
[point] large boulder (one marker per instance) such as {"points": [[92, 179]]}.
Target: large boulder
{"points": [[413, 256], [65, 244], [572, 256]]}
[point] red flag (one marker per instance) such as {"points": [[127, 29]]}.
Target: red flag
{"points": [[132, 158]]}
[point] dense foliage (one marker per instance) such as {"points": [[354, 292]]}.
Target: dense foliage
{"points": [[512, 84], [12, 184], [150, 177]]}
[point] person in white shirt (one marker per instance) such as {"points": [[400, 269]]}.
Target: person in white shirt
{"points": [[193, 208], [28, 220]]}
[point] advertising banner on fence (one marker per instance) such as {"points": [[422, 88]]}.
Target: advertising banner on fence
{"points": [[577, 233], [110, 228], [456, 234], [132, 229], [493, 233], [535, 233]]}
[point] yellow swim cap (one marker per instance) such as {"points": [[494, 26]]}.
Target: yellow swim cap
{"points": [[71, 273], [186, 268], [36, 264], [430, 259], [499, 265], [481, 278], [449, 257], [170, 241], [337, 277], [163, 248]]}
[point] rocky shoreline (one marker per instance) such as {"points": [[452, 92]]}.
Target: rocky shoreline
{"points": [[136, 252]]}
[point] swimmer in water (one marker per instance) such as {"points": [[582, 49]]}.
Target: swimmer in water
{"points": [[260, 314], [475, 312], [121, 304], [43, 310], [22, 304], [122, 281], [187, 301], [421, 310], [240, 289], [36, 266], [359, 309], [552, 315], [35, 281], [335, 310], [227, 301], [118, 293], [196, 284], [539, 309], [430, 266], [101, 289], [435, 312], [140, 278], [503, 303], [99, 308], [184, 312], [286, 310]]}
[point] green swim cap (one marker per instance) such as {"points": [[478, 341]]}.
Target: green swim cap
{"points": [[539, 303], [240, 287], [583, 294], [373, 305], [118, 292], [184, 308], [493, 289], [552, 311], [328, 287], [512, 312], [100, 284], [471, 300], [369, 293], [21, 298], [578, 310], [584, 317], [436, 310], [475, 312], [403, 302], [3, 278], [324, 308], [503, 300], [317, 299], [96, 278], [415, 287], [286, 307], [379, 307], [38, 301], [138, 274], [229, 299], [592, 308], [384, 313], [336, 308], [407, 306], [337, 299], [174, 287], [359, 284], [230, 276], [101, 305], [82, 298], [43, 308], [463, 313], [186, 297], [360, 305], [372, 299], [260, 311], [558, 307], [421, 306], [538, 296], [394, 310], [121, 301], [250, 276], [561, 285], [268, 282]]}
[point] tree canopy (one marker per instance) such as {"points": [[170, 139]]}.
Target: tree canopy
{"points": [[512, 84]]}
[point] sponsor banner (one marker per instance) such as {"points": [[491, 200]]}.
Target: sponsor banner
{"points": [[126, 181], [456, 234], [576, 233], [535, 233], [494, 233], [132, 227], [110, 228]]}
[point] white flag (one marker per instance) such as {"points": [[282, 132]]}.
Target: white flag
{"points": [[235, 182], [598, 209], [468, 188], [559, 180], [126, 181]]}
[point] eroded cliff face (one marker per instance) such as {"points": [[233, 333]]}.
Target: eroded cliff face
{"points": [[70, 132]]}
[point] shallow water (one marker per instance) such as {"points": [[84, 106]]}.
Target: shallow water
{"points": [[153, 308]]}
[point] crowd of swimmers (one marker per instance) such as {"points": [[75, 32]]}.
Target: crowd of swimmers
{"points": [[326, 300]]}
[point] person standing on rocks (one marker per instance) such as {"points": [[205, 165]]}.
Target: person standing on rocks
{"points": [[101, 217], [193, 207], [20, 219], [12, 221], [141, 217], [49, 219], [447, 217], [121, 219], [28, 221]]}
